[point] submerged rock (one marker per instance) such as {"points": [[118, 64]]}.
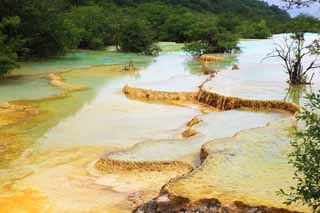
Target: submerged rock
{"points": [[189, 133], [235, 67], [194, 122], [56, 81]]}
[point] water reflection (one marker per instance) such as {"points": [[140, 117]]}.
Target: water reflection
{"points": [[258, 78], [297, 93], [196, 67]]}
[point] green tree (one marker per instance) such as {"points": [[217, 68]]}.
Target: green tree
{"points": [[136, 36], [178, 25], [305, 157], [7, 57], [293, 52], [44, 29], [304, 23], [9, 44], [258, 30], [300, 3], [211, 35], [92, 25], [196, 48]]}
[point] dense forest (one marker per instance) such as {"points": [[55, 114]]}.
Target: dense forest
{"points": [[43, 28]]}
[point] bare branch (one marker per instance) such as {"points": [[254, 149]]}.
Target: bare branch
{"points": [[292, 52]]}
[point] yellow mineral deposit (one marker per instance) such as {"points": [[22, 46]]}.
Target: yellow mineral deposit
{"points": [[57, 81], [72, 170], [208, 98], [194, 122], [159, 96], [211, 58], [27, 200], [11, 113], [226, 103], [244, 155], [189, 132], [107, 165]]}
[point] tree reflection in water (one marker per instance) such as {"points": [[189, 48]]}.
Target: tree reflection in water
{"points": [[296, 93]]}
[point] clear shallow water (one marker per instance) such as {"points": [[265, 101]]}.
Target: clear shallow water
{"points": [[30, 81], [74, 131], [80, 58], [261, 78], [26, 87]]}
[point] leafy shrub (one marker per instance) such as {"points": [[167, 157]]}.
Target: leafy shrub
{"points": [[306, 157], [136, 36], [196, 48]]}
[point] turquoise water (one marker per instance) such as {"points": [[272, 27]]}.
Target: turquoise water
{"points": [[30, 81], [80, 58], [52, 153], [229, 61], [26, 87]]}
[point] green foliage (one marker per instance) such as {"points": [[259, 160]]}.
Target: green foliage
{"points": [[258, 30], [306, 157], [304, 23], [177, 26], [7, 62], [196, 48], [136, 36], [299, 3], [43, 28], [8, 45], [92, 24], [212, 35]]}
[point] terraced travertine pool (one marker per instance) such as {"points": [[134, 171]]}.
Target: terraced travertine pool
{"points": [[50, 152]]}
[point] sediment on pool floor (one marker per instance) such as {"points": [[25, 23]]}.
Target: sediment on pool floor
{"points": [[169, 201], [107, 165]]}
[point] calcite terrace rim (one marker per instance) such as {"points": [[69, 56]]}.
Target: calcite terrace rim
{"points": [[201, 97]]}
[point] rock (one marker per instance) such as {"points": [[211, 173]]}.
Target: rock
{"points": [[19, 108], [5, 105], [194, 122], [211, 58], [235, 67], [163, 199], [150, 207], [54, 77], [189, 133], [32, 111]]}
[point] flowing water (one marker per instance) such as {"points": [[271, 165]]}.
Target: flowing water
{"points": [[47, 160]]}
